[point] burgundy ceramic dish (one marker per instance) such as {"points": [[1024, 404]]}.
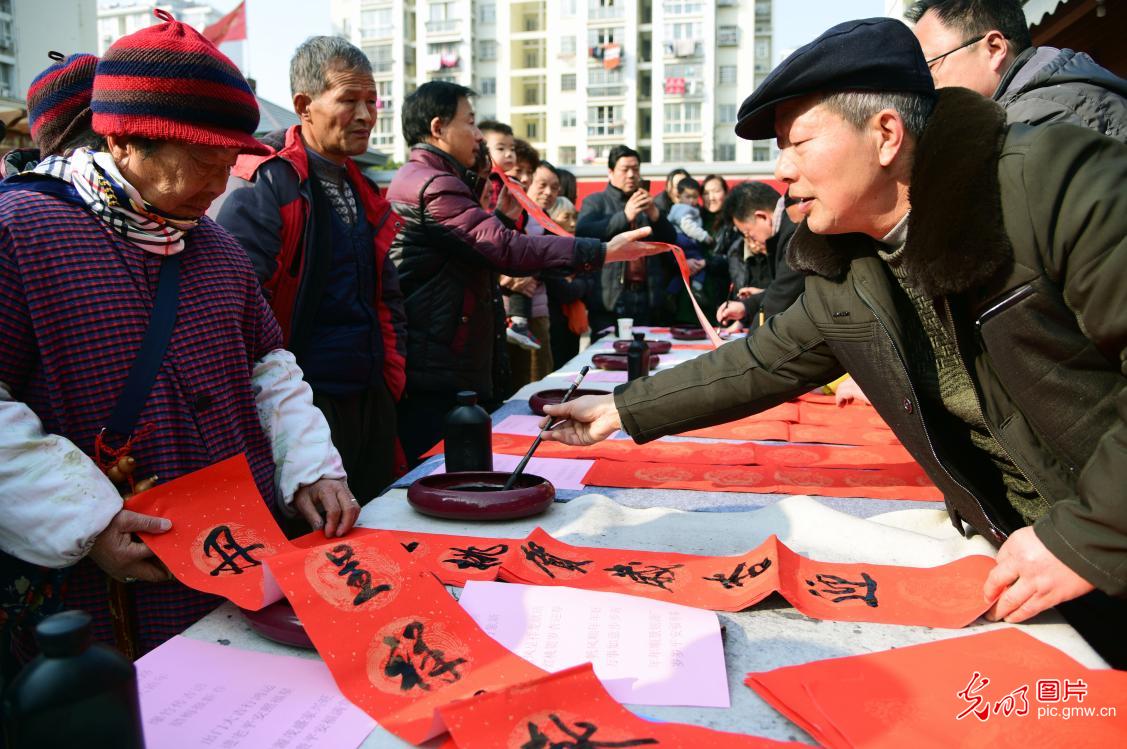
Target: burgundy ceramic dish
{"points": [[687, 333], [479, 495], [617, 362], [655, 346], [279, 623], [553, 397]]}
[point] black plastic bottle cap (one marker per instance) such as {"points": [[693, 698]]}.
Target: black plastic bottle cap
{"points": [[63, 634], [639, 336], [467, 398]]}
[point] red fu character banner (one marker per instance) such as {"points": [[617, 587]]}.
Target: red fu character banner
{"points": [[946, 596]]}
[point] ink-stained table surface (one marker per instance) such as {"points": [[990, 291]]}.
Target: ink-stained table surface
{"points": [[770, 635]]}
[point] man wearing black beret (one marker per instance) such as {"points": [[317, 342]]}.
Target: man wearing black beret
{"points": [[968, 274]]}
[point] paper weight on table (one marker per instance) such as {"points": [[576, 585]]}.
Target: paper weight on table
{"points": [[552, 397], [687, 333], [479, 495], [279, 623], [655, 346], [617, 362]]}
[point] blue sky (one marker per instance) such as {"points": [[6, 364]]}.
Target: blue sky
{"points": [[276, 27]]}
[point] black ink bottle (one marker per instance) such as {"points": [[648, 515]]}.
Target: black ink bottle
{"points": [[469, 436], [74, 693], [637, 357]]}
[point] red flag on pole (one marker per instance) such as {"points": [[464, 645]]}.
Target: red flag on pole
{"points": [[230, 28]]}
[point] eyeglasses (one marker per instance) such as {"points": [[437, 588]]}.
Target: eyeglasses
{"points": [[937, 58]]}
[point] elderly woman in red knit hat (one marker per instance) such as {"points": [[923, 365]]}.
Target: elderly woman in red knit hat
{"points": [[134, 339]]}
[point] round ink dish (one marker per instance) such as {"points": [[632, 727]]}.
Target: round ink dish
{"points": [[617, 362], [480, 495], [279, 623], [655, 346], [687, 333], [537, 401]]}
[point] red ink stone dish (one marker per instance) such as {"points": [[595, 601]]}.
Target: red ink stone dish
{"points": [[687, 333], [480, 495], [279, 623], [553, 398], [617, 362], [655, 346]]}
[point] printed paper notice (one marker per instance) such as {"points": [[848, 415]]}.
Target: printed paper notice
{"points": [[645, 652], [200, 694]]}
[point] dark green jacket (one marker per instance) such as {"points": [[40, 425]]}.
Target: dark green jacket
{"points": [[1019, 234]]}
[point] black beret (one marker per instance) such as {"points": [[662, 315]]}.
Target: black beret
{"points": [[872, 54]]}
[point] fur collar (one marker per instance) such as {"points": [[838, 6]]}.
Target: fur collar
{"points": [[956, 239]]}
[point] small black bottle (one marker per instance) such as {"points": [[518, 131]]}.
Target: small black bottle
{"points": [[469, 436], [637, 357], [74, 693]]}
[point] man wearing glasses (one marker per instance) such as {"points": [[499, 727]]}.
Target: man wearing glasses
{"points": [[985, 45]]}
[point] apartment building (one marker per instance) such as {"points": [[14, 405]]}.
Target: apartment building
{"points": [[116, 18], [576, 77]]}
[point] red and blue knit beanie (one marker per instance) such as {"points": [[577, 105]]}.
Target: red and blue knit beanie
{"points": [[58, 101], [167, 82]]}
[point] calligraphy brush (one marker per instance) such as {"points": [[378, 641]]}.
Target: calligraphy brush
{"points": [[540, 437]]}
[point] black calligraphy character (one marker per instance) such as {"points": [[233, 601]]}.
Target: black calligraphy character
{"points": [[410, 547], [651, 574], [475, 558], [229, 551], [358, 578], [735, 578], [541, 557], [416, 664], [537, 739], [845, 590]]}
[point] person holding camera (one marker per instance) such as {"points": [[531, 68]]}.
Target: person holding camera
{"points": [[636, 288]]}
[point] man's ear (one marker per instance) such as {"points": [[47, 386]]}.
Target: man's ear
{"points": [[888, 127], [997, 50], [301, 104], [436, 127]]}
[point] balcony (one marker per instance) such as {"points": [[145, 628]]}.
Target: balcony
{"points": [[598, 11], [683, 48], [528, 18], [686, 88], [728, 36], [373, 33], [446, 26]]}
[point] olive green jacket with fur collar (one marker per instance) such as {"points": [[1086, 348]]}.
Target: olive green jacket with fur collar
{"points": [[1019, 235]]}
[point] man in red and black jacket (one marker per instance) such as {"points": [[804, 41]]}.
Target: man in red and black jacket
{"points": [[318, 233]]}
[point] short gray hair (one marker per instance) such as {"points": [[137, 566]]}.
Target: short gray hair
{"points": [[317, 56], [858, 107]]}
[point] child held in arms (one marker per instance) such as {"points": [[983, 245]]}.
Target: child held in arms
{"points": [[691, 234]]}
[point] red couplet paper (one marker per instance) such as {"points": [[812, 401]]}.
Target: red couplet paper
{"points": [[906, 481], [856, 415], [831, 456], [744, 429], [221, 532], [946, 596], [842, 435], [396, 643], [571, 708], [992, 690]]}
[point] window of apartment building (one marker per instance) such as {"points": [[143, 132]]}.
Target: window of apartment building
{"points": [[567, 45], [681, 153], [682, 7], [533, 90], [761, 152], [683, 117], [688, 71], [567, 118], [567, 82], [762, 49], [486, 49], [728, 36], [605, 8], [376, 24], [683, 30], [605, 120], [380, 57], [532, 53], [383, 93], [601, 82], [441, 11], [727, 74], [598, 36], [567, 155], [568, 8], [726, 114], [488, 86], [7, 75], [724, 152], [487, 12]]}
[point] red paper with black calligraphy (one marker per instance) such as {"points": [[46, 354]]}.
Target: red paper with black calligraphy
{"points": [[221, 532], [906, 481], [396, 642], [992, 690], [572, 709], [452, 559], [949, 595]]}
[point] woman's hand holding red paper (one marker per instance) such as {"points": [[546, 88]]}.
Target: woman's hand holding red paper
{"points": [[589, 419], [334, 498], [1029, 579], [628, 246], [124, 558]]}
